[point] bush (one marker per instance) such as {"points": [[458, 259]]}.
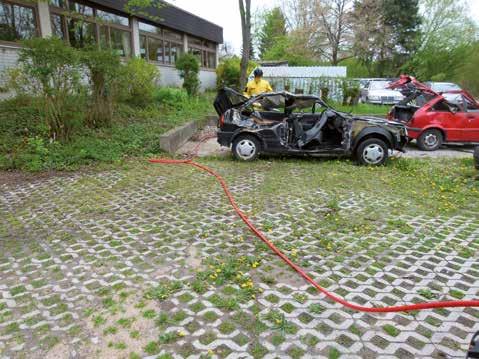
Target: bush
{"points": [[351, 93], [171, 97], [138, 81], [189, 68], [103, 69], [229, 71], [51, 69]]}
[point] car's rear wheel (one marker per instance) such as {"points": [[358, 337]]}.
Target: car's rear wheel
{"points": [[430, 140], [246, 148], [476, 157], [372, 152]]}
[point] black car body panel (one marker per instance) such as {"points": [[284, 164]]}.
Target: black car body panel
{"points": [[298, 124]]}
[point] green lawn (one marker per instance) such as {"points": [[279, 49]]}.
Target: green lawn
{"points": [[363, 109], [24, 142]]}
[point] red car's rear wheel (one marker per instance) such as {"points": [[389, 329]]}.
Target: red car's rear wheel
{"points": [[430, 140]]}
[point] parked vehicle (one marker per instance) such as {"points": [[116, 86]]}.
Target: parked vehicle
{"points": [[431, 119], [298, 124], [378, 93], [444, 88]]}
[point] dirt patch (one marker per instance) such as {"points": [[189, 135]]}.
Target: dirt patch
{"points": [[58, 351], [17, 177], [194, 258], [125, 332]]}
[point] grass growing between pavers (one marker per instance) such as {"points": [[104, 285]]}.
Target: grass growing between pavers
{"points": [[168, 268]]}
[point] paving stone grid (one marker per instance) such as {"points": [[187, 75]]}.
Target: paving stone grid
{"points": [[65, 240]]}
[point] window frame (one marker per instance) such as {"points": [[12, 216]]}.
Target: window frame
{"points": [[205, 51], [65, 13], [29, 5], [165, 40]]}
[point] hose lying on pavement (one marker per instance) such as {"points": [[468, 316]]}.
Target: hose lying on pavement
{"points": [[300, 271]]}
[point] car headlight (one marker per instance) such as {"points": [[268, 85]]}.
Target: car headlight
{"points": [[374, 98]]}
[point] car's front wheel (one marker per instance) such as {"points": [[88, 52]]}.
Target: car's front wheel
{"points": [[372, 152], [430, 140], [246, 148]]}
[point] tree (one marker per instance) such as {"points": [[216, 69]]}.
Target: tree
{"points": [[226, 50], [324, 27], [189, 68], [333, 29], [466, 74], [272, 29], [404, 20], [385, 34], [291, 48], [447, 38], [245, 12]]}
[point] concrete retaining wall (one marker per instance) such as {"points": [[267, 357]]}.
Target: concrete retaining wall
{"points": [[174, 139]]}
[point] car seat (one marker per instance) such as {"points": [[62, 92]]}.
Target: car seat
{"points": [[316, 133]]}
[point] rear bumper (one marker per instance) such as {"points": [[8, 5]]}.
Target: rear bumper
{"points": [[225, 138]]}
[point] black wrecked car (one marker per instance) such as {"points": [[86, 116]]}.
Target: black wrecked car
{"points": [[284, 123]]}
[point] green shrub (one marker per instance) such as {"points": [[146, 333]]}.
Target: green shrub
{"points": [[171, 97], [189, 68], [138, 81], [51, 69], [103, 70], [351, 93], [228, 72]]}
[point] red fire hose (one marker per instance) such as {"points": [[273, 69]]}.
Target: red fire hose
{"points": [[301, 272]]}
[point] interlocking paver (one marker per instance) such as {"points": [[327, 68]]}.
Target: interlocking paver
{"points": [[83, 258]]}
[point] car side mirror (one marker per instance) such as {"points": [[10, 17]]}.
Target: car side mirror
{"points": [[454, 110]]}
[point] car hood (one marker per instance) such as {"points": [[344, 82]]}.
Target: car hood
{"points": [[385, 93]]}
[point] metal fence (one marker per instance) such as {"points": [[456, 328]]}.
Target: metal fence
{"points": [[313, 86]]}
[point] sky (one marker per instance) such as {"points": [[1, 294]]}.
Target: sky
{"points": [[225, 13]]}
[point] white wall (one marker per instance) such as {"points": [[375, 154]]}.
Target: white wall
{"points": [[208, 80], [8, 59], [170, 77]]}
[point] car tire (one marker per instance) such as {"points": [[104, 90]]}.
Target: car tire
{"points": [[246, 148], [430, 140], [476, 157], [372, 152]]}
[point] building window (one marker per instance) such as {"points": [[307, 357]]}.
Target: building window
{"points": [[17, 22], [160, 45], [81, 33], [120, 42], [58, 26], [112, 18], [205, 51], [83, 25]]}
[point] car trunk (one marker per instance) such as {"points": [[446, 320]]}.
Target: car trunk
{"points": [[403, 113], [227, 99]]}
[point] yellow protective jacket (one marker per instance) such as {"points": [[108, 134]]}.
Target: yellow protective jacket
{"points": [[254, 88]]}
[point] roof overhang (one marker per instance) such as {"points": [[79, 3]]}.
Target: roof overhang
{"points": [[171, 17]]}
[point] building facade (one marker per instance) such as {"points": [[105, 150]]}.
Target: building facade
{"points": [[158, 35]]}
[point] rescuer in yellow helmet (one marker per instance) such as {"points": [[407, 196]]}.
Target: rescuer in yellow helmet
{"points": [[257, 86]]}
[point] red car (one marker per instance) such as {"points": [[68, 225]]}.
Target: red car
{"points": [[431, 119]]}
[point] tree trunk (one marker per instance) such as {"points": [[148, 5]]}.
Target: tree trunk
{"points": [[245, 11]]}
